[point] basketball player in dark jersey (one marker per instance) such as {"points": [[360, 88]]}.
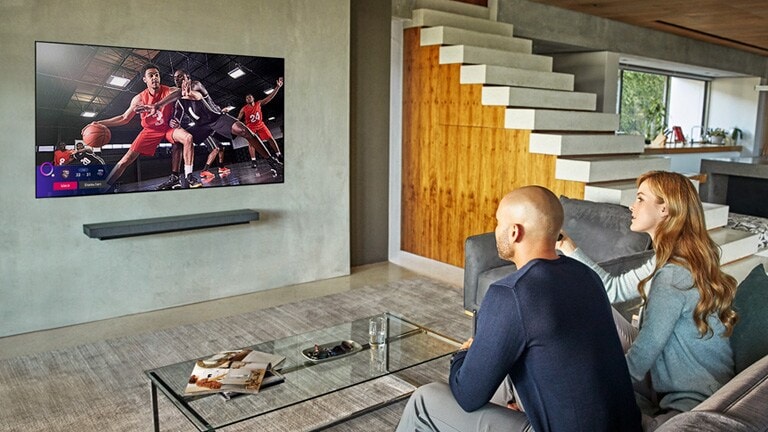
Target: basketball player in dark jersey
{"points": [[194, 100], [84, 155]]}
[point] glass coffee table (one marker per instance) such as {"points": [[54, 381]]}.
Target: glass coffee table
{"points": [[407, 345]]}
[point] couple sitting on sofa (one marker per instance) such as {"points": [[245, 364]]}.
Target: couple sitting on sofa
{"points": [[550, 329]]}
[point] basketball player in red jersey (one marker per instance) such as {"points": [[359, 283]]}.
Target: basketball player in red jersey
{"points": [[250, 114], [155, 125], [62, 156]]}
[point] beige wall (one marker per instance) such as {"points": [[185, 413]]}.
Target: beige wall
{"points": [[52, 275]]}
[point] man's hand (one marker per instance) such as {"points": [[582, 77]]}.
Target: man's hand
{"points": [[466, 345], [174, 123], [150, 109], [82, 131]]}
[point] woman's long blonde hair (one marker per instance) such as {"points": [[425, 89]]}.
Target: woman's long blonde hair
{"points": [[682, 238]]}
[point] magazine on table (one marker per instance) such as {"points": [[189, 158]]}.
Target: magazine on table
{"points": [[234, 371]]}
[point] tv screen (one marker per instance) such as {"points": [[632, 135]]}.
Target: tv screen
{"points": [[119, 120]]}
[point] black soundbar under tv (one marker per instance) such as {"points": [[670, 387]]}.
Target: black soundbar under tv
{"points": [[138, 227]]}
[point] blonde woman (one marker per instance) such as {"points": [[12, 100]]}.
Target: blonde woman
{"points": [[680, 340]]}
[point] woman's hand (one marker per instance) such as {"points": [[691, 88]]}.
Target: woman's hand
{"points": [[565, 244]]}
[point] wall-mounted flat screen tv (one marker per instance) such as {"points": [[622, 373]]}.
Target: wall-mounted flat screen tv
{"points": [[113, 120]]}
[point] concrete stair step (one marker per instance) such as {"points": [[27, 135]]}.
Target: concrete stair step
{"points": [[620, 192], [715, 215], [435, 18], [455, 36], [585, 144], [741, 268], [617, 192], [734, 244], [505, 76], [554, 120], [539, 98], [467, 54], [599, 169], [455, 7]]}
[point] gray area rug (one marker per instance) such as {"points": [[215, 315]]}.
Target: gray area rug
{"points": [[101, 386]]}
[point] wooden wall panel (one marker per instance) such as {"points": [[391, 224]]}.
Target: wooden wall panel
{"points": [[458, 160]]}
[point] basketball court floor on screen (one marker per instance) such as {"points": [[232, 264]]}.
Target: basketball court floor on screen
{"points": [[241, 173]]}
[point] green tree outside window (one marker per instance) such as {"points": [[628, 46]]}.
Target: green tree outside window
{"points": [[643, 103]]}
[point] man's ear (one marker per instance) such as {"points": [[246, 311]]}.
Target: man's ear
{"points": [[515, 233]]}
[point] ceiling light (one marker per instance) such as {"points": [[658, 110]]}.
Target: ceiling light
{"points": [[236, 72], [269, 91], [270, 119], [118, 81], [88, 114]]}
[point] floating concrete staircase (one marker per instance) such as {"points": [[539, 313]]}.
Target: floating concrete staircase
{"points": [[563, 122]]}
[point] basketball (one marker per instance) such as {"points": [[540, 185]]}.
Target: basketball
{"points": [[96, 135]]}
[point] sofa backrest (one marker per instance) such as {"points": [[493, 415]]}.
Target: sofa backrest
{"points": [[601, 230]]}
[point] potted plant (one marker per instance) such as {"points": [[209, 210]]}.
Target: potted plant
{"points": [[736, 134], [716, 135]]}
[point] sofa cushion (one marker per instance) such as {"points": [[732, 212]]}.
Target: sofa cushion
{"points": [[601, 230], [750, 337]]}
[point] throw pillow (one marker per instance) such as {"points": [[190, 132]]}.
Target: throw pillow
{"points": [[750, 337], [601, 230]]}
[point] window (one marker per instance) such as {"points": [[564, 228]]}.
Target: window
{"points": [[652, 102], [686, 106]]}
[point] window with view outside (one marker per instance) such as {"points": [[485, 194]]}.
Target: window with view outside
{"points": [[652, 103], [686, 106], [643, 103]]}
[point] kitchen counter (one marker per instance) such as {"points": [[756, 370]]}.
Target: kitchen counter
{"points": [[740, 182], [691, 148]]}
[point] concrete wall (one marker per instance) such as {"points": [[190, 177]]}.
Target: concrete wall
{"points": [[594, 72], [369, 121], [53, 275], [733, 102]]}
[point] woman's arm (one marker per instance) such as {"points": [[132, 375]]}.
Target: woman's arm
{"points": [[663, 309], [621, 287]]}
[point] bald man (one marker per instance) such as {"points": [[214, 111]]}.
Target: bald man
{"points": [[548, 328]]}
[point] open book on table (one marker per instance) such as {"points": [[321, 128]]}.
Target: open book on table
{"points": [[235, 371]]}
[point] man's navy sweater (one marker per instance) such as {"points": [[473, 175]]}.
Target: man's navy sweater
{"points": [[549, 326]]}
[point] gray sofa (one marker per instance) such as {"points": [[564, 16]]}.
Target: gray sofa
{"points": [[602, 231]]}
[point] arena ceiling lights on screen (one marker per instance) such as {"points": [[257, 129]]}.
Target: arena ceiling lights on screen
{"points": [[186, 122]]}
